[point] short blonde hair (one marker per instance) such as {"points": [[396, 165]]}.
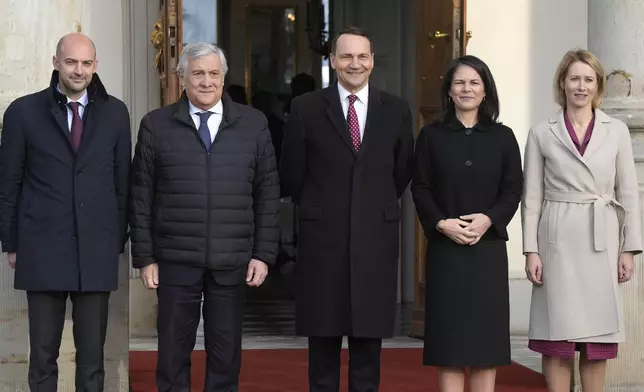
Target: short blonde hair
{"points": [[569, 59]]}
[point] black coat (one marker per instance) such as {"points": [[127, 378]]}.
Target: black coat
{"points": [[349, 212], [458, 172], [193, 209], [64, 213]]}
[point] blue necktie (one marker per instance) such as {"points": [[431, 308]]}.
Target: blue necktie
{"points": [[204, 131]]}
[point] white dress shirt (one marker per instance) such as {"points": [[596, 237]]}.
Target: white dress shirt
{"points": [[213, 121], [81, 108], [360, 105]]}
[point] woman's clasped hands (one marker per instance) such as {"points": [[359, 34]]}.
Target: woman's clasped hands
{"points": [[467, 229]]}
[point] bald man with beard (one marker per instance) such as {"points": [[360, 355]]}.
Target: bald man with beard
{"points": [[64, 173]]}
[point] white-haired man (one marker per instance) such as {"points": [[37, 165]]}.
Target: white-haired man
{"points": [[204, 207]]}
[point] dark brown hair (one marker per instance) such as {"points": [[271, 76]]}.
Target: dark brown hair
{"points": [[489, 108]]}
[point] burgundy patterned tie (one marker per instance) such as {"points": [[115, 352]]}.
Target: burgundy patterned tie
{"points": [[352, 121], [77, 125]]}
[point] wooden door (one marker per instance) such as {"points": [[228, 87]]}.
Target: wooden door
{"points": [[168, 47], [440, 37], [181, 21]]}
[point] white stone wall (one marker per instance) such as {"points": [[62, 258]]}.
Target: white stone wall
{"points": [[29, 31]]}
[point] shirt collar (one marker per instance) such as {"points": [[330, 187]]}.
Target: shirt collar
{"points": [[363, 94], [217, 109], [82, 100]]}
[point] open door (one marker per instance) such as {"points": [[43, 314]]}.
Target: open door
{"points": [[440, 37]]}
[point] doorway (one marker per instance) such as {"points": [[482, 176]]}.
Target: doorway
{"points": [[268, 42]]}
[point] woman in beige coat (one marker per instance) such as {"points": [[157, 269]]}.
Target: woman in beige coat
{"points": [[581, 227]]}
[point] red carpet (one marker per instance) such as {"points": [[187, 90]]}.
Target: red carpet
{"points": [[286, 371]]}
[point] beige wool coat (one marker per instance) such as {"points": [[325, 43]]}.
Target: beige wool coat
{"points": [[579, 213]]}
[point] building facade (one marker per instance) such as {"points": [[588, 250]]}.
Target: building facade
{"points": [[521, 40]]}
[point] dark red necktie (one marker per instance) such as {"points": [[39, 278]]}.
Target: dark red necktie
{"points": [[352, 121], [77, 125]]}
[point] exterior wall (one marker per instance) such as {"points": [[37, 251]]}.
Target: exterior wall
{"points": [[29, 31]]}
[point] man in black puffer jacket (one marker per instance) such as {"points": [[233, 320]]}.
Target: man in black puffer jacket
{"points": [[204, 218]]}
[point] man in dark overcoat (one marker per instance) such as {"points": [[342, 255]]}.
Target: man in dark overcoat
{"points": [[64, 173], [346, 161]]}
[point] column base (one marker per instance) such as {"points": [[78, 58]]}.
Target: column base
{"points": [[143, 310]]}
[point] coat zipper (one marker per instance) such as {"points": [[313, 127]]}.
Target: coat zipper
{"points": [[208, 209], [208, 171]]}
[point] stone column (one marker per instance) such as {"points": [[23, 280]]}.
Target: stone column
{"points": [[144, 96], [25, 67], [616, 36]]}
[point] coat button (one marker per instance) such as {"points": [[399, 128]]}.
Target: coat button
{"points": [[79, 173], [74, 237], [468, 163], [81, 205], [468, 132]]}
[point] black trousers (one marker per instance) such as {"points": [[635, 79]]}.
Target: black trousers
{"points": [[324, 364], [46, 321], [177, 321]]}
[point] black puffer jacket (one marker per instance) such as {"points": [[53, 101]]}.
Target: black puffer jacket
{"points": [[214, 209]]}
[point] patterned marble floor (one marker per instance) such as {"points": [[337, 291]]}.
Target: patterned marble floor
{"points": [[270, 325]]}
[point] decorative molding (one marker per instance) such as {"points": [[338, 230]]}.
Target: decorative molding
{"points": [[627, 76], [158, 40], [628, 110]]}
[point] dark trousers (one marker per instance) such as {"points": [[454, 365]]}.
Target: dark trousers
{"points": [[177, 322], [46, 322], [324, 364]]}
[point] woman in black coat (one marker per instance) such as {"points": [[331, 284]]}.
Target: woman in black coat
{"points": [[467, 187]]}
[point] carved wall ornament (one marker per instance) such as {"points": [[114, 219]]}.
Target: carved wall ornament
{"points": [[619, 83], [157, 38]]}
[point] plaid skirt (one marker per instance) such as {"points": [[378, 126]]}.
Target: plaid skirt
{"points": [[565, 349]]}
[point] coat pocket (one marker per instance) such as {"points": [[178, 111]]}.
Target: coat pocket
{"points": [[310, 212], [392, 213]]}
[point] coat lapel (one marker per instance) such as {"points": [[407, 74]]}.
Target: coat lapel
{"points": [[374, 113], [60, 116], [61, 122], [600, 131], [336, 115], [558, 127], [89, 128]]}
